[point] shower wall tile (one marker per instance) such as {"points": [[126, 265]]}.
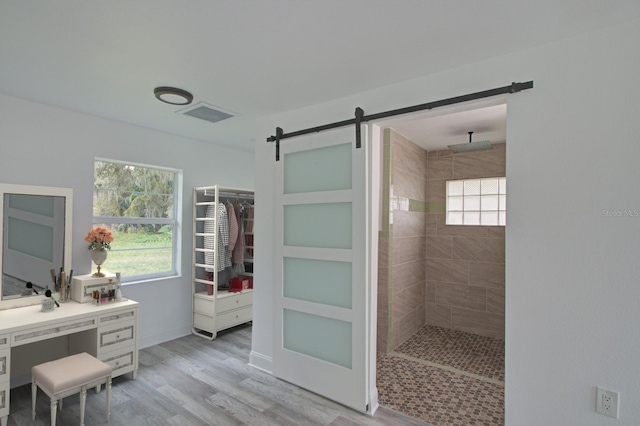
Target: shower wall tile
{"points": [[465, 264], [400, 277], [418, 270], [462, 296], [415, 296], [479, 249], [431, 225], [495, 301], [408, 185], [407, 165], [410, 160], [430, 291], [405, 250], [439, 315], [443, 229], [408, 224], [382, 339], [496, 231], [479, 164], [489, 275], [440, 246], [482, 323], [448, 270], [436, 190], [439, 168]]}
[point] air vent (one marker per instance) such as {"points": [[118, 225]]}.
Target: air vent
{"points": [[207, 112]]}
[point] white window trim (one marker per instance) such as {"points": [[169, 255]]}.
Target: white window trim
{"points": [[176, 222]]}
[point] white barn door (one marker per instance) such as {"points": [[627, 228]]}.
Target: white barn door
{"points": [[321, 291]]}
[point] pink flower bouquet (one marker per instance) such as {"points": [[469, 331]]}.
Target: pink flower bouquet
{"points": [[99, 238]]}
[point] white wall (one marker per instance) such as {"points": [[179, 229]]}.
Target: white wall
{"points": [[44, 145], [573, 300]]}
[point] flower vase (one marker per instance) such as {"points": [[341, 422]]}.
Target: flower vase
{"points": [[98, 256]]}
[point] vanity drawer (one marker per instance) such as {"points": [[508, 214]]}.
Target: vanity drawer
{"points": [[116, 336], [237, 300], [50, 331], [5, 365], [4, 398], [117, 317], [121, 361], [238, 316], [4, 341]]}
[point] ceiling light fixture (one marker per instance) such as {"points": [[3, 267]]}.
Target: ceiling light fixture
{"points": [[173, 96]]}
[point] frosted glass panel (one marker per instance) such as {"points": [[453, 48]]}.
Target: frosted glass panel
{"points": [[30, 238], [318, 281], [323, 338], [325, 225], [472, 218], [489, 218], [490, 202], [502, 218], [472, 203], [503, 185], [321, 169], [40, 205], [472, 187], [454, 218], [455, 187], [455, 203], [489, 186], [502, 202]]}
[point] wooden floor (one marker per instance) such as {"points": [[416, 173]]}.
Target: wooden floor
{"points": [[193, 381]]}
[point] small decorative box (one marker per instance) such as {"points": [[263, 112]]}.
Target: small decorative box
{"points": [[83, 286]]}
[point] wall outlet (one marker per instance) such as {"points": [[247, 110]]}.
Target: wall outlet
{"points": [[607, 402]]}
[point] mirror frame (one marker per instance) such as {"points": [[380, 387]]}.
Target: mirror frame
{"points": [[7, 188]]}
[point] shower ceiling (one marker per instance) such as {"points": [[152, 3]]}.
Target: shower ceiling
{"points": [[434, 133]]}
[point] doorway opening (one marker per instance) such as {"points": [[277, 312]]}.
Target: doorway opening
{"points": [[441, 287]]}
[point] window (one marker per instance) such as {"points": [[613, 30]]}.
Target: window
{"points": [[139, 204], [477, 202]]}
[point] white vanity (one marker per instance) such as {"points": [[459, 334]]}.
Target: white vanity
{"points": [[29, 337], [36, 243]]}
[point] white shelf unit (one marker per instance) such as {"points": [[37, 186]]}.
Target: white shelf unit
{"points": [[216, 310]]}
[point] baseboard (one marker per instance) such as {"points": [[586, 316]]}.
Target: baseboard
{"points": [[373, 401], [261, 362]]}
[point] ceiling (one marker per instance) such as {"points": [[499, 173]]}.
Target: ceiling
{"points": [[260, 57]]}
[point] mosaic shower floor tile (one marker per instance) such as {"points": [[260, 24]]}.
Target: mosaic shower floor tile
{"points": [[411, 381]]}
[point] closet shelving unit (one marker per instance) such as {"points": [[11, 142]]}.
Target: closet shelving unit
{"points": [[213, 309]]}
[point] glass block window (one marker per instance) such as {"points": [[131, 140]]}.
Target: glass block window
{"points": [[477, 202]]}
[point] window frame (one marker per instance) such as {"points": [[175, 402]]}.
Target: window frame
{"points": [[175, 222], [501, 191]]}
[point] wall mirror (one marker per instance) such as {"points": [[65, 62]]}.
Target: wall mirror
{"points": [[36, 235]]}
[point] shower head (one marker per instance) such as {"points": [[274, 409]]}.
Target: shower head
{"points": [[470, 146]]}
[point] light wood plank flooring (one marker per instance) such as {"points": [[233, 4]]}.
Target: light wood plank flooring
{"points": [[193, 381]]}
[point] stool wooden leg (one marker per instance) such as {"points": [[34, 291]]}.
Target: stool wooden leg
{"points": [[83, 401], [54, 409], [108, 398], [34, 392]]}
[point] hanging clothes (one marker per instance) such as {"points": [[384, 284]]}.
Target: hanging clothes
{"points": [[233, 226], [221, 223], [238, 251]]}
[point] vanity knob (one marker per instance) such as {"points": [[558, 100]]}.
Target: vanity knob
{"points": [[117, 336]]}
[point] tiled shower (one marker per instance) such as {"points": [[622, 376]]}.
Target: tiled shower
{"points": [[428, 272]]}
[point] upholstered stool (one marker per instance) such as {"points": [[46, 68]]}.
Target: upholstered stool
{"points": [[68, 376]]}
